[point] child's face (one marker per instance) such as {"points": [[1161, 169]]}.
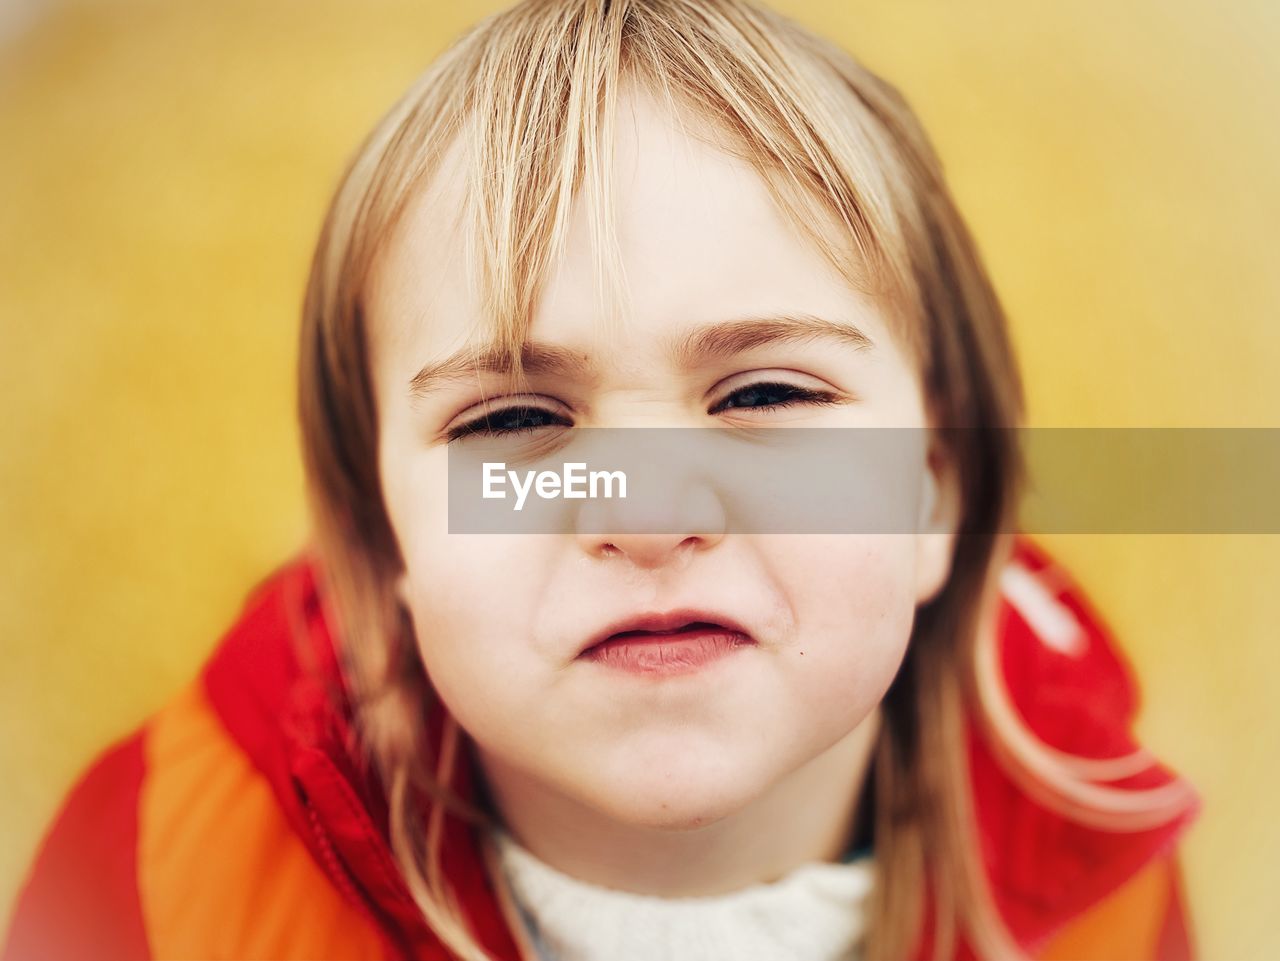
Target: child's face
{"points": [[501, 620]]}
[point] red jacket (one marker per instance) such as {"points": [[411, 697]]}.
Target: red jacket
{"points": [[238, 823]]}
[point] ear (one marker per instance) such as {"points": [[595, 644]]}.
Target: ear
{"points": [[939, 519]]}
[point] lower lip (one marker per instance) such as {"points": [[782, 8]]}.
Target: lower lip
{"points": [[664, 655]]}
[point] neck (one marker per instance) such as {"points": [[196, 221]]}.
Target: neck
{"points": [[809, 815]]}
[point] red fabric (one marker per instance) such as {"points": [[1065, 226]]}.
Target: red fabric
{"points": [[1046, 869], [81, 899], [275, 683]]}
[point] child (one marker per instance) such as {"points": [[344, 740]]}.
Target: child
{"points": [[667, 740]]}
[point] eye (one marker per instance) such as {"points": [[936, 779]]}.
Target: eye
{"points": [[518, 419], [770, 395], [528, 418]]}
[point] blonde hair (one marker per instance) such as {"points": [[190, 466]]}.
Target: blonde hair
{"points": [[531, 93]]}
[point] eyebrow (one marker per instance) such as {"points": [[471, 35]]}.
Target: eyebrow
{"points": [[713, 341]]}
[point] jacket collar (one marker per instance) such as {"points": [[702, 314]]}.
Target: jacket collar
{"points": [[275, 683]]}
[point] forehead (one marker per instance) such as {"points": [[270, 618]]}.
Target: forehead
{"points": [[700, 240]]}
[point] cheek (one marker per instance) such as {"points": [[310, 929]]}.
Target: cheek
{"points": [[854, 603], [471, 598], [471, 605]]}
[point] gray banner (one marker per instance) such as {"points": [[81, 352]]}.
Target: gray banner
{"points": [[854, 480]]}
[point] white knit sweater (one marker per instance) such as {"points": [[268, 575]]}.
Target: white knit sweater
{"points": [[815, 913]]}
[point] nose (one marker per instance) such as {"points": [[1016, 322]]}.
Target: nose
{"points": [[653, 532]]}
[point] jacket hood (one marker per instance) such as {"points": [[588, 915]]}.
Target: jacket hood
{"points": [[275, 683]]}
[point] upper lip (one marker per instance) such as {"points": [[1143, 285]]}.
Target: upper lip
{"points": [[671, 620]]}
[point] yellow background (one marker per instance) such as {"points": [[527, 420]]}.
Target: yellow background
{"points": [[163, 169]]}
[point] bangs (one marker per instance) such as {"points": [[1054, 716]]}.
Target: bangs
{"points": [[531, 97]]}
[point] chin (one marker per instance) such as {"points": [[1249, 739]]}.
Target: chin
{"points": [[677, 798], [672, 813]]}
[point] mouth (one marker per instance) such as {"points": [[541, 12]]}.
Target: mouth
{"points": [[675, 642]]}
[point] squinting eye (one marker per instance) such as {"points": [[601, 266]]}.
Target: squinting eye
{"points": [[768, 395], [509, 420], [524, 418]]}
